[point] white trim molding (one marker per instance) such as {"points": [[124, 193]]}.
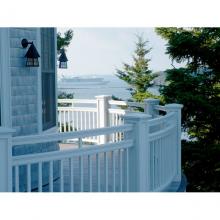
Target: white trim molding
{"points": [[5, 76], [56, 92], [39, 82]]}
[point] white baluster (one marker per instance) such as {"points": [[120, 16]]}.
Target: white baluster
{"points": [[113, 170], [28, 177], [127, 170], [64, 120], [106, 171], [90, 173], [60, 121], [77, 121], [40, 177], [68, 120], [98, 171], [89, 120], [17, 179], [81, 168], [71, 175], [51, 176], [61, 176], [120, 170]]}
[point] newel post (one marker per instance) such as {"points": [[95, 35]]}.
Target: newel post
{"points": [[149, 106], [139, 154], [177, 109], [102, 103], [5, 159]]}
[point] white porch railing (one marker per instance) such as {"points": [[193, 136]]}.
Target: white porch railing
{"points": [[75, 117], [83, 114], [142, 152], [79, 168]]}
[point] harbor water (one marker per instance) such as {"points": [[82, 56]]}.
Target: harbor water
{"points": [[112, 86]]}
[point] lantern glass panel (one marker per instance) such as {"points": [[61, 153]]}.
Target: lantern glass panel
{"points": [[29, 62], [36, 62], [32, 62], [63, 65]]}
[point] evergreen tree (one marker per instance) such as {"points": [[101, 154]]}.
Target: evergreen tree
{"points": [[63, 42], [197, 85], [138, 76]]}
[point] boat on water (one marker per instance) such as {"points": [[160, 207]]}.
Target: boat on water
{"points": [[82, 81]]}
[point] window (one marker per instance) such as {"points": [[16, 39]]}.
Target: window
{"points": [[48, 66]]}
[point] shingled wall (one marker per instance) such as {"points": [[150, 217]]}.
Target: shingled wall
{"points": [[23, 83]]}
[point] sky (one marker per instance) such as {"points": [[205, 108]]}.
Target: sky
{"points": [[99, 51]]}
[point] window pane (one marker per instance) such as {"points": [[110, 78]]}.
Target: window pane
{"points": [[48, 77]]}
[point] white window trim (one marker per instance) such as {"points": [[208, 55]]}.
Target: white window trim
{"points": [[55, 57], [39, 82], [5, 75]]}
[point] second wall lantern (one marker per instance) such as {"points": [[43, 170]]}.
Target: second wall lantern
{"points": [[32, 55], [63, 60]]}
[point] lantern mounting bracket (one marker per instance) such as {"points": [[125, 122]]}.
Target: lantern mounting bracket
{"points": [[25, 43]]}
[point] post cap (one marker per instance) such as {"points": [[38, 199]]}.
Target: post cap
{"points": [[150, 100], [102, 96]]}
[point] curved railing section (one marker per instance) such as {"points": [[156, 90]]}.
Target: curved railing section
{"points": [[104, 145], [163, 139], [163, 151]]}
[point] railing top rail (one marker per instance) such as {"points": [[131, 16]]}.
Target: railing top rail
{"points": [[44, 138], [120, 103], [117, 111], [160, 108], [136, 104], [161, 119], [162, 133], [126, 103], [93, 101], [79, 101], [72, 108], [57, 155]]}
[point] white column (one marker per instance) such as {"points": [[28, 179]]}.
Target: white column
{"points": [[149, 106], [102, 115], [177, 109], [5, 78], [5, 159], [139, 154]]}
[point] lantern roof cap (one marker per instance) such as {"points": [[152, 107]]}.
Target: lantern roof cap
{"points": [[63, 57], [32, 52]]}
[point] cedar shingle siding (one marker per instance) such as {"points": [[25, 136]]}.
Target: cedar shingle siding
{"points": [[23, 84]]}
